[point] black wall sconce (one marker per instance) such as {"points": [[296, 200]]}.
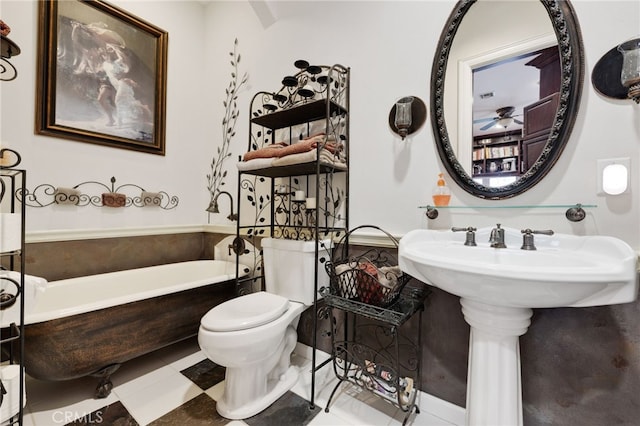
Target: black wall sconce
{"points": [[407, 115], [617, 74]]}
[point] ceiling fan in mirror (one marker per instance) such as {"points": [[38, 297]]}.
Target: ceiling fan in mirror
{"points": [[504, 118]]}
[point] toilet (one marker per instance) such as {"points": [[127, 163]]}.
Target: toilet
{"points": [[254, 335]]}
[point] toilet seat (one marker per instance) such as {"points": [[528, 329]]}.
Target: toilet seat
{"points": [[241, 313]]}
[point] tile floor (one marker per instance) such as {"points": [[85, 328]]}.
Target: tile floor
{"points": [[179, 386]]}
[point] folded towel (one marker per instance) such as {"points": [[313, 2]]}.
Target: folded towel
{"points": [[281, 149], [10, 232], [326, 157], [346, 273], [268, 151], [309, 144], [255, 164]]}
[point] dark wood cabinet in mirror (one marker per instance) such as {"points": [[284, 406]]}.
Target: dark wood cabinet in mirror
{"points": [[552, 51]]}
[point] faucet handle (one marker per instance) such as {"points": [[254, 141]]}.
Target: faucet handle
{"points": [[527, 237], [470, 236], [543, 231]]}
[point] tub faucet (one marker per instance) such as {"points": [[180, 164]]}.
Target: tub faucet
{"points": [[496, 238], [213, 206]]}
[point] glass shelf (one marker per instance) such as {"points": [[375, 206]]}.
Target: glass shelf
{"points": [[573, 213], [524, 206]]}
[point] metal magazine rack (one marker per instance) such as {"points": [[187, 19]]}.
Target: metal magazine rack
{"points": [[369, 301]]}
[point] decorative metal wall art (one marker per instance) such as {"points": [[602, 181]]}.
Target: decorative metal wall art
{"points": [[125, 195], [215, 179]]}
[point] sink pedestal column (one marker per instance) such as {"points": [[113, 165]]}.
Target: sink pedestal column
{"points": [[494, 388]]}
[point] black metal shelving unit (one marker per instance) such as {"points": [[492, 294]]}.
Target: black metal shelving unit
{"points": [[12, 181], [315, 97]]}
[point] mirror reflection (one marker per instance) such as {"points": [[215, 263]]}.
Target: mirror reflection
{"points": [[502, 58], [495, 123], [514, 105]]}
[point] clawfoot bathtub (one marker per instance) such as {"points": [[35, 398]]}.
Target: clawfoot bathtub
{"points": [[91, 325]]}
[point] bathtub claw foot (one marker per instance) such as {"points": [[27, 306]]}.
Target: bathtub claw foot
{"points": [[105, 385], [103, 389]]}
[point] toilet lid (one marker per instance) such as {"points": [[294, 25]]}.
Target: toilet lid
{"points": [[245, 312]]}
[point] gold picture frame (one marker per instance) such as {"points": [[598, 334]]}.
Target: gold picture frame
{"points": [[101, 76]]}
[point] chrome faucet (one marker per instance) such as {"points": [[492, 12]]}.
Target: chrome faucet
{"points": [[496, 238]]}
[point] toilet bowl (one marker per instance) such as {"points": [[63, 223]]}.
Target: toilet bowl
{"points": [[255, 349], [254, 335]]}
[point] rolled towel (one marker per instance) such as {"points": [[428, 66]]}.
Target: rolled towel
{"points": [[388, 276], [114, 199], [66, 195], [151, 198]]}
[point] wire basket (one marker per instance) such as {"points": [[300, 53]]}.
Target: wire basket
{"points": [[372, 276]]}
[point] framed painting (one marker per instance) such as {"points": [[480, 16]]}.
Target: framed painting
{"points": [[101, 76]]}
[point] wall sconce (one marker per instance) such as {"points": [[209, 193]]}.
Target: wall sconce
{"points": [[617, 74], [407, 115], [630, 75]]}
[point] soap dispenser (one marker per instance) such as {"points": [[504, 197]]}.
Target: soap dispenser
{"points": [[441, 193]]}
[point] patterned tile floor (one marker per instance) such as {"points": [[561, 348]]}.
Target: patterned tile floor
{"points": [[179, 386]]}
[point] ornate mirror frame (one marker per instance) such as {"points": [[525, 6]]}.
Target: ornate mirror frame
{"points": [[567, 30]]}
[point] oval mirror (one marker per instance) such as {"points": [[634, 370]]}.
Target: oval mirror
{"points": [[505, 89]]}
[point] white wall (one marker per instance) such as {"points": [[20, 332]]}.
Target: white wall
{"points": [[59, 162], [389, 178]]}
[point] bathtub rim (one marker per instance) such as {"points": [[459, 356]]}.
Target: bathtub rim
{"points": [[38, 317]]}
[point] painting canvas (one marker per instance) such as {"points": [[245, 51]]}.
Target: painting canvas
{"points": [[102, 76]]}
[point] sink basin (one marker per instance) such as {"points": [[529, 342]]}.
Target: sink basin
{"points": [[498, 287], [564, 271]]}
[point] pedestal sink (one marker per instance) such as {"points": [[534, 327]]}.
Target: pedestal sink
{"points": [[498, 287]]}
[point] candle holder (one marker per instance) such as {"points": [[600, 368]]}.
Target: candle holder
{"points": [[630, 74], [616, 75], [407, 115]]}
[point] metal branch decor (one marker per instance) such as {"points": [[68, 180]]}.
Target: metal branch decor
{"points": [[215, 179], [125, 195]]}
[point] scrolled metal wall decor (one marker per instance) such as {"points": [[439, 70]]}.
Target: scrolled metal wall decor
{"points": [[46, 194]]}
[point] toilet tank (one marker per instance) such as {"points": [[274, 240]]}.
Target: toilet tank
{"points": [[289, 268]]}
